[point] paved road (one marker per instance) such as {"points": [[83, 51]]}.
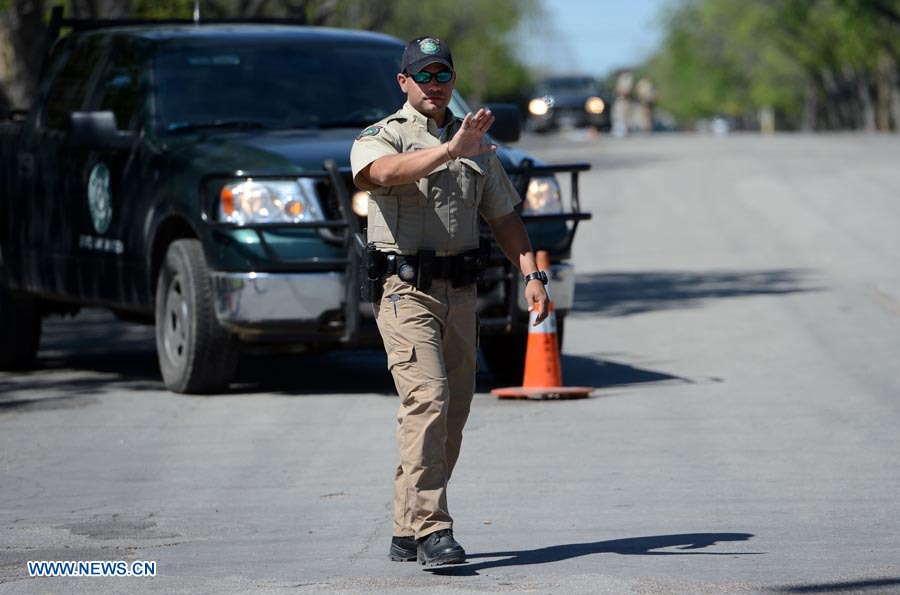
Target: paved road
{"points": [[738, 309]]}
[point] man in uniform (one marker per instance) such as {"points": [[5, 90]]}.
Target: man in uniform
{"points": [[429, 177]]}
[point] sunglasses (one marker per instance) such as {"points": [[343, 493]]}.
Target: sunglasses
{"points": [[423, 77]]}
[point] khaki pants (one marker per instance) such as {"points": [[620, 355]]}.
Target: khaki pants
{"points": [[431, 338]]}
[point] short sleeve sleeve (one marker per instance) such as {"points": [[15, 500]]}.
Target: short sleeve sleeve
{"points": [[372, 143], [500, 196]]}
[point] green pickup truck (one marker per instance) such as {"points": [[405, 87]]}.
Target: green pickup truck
{"points": [[196, 177]]}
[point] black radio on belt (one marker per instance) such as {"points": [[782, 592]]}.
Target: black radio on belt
{"points": [[417, 269]]}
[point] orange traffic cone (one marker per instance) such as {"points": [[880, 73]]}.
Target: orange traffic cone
{"points": [[543, 374]]}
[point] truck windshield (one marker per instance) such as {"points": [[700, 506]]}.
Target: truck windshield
{"points": [[568, 86], [275, 86]]}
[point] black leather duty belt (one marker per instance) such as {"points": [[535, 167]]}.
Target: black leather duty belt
{"points": [[460, 269], [407, 266]]}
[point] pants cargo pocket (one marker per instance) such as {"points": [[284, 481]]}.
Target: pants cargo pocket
{"points": [[403, 354], [401, 361]]}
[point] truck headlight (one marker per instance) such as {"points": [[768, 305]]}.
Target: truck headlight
{"points": [[269, 201], [539, 107], [542, 197], [594, 105], [360, 203]]}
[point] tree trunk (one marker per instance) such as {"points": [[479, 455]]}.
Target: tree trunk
{"points": [[100, 9], [252, 8], [27, 35], [888, 91], [865, 98], [832, 106], [7, 65], [855, 100], [895, 102], [808, 120], [886, 66]]}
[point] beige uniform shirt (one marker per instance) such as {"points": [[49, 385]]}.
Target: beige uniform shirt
{"points": [[440, 211]]}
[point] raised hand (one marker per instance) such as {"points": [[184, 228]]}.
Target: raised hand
{"points": [[467, 142]]}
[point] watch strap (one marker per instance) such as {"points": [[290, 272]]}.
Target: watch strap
{"points": [[539, 275]]}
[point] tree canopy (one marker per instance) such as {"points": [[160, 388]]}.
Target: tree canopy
{"points": [[823, 64], [480, 32]]}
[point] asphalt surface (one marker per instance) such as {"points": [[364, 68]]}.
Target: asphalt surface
{"points": [[737, 308]]}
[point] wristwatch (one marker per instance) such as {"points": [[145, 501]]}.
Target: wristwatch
{"points": [[539, 275]]}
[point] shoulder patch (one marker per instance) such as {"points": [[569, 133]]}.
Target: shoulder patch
{"points": [[370, 131]]}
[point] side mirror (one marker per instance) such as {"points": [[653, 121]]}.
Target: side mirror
{"points": [[98, 130], [507, 126]]}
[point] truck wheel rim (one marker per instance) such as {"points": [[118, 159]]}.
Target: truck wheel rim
{"points": [[175, 333]]}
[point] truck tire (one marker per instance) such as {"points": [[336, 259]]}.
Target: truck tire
{"points": [[196, 355], [505, 354], [20, 330]]}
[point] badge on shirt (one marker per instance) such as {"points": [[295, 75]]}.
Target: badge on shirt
{"points": [[370, 131]]}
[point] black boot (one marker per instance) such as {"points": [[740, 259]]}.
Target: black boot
{"points": [[403, 549], [440, 548]]}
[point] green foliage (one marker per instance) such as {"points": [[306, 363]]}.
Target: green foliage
{"points": [[479, 32], [162, 9], [814, 60]]}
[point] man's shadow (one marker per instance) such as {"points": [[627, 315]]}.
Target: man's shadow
{"points": [[633, 546]]}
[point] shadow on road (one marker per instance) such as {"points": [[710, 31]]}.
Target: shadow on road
{"points": [[340, 372], [70, 372], [97, 354], [627, 293], [356, 372], [633, 546], [879, 585], [586, 371]]}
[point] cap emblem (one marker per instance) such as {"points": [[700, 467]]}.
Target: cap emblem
{"points": [[430, 46]]}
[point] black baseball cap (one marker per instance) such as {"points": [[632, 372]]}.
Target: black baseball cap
{"points": [[422, 51]]}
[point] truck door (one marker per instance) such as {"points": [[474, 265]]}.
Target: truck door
{"points": [[52, 240], [106, 205]]}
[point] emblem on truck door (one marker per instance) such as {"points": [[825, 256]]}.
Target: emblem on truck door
{"points": [[99, 197]]}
